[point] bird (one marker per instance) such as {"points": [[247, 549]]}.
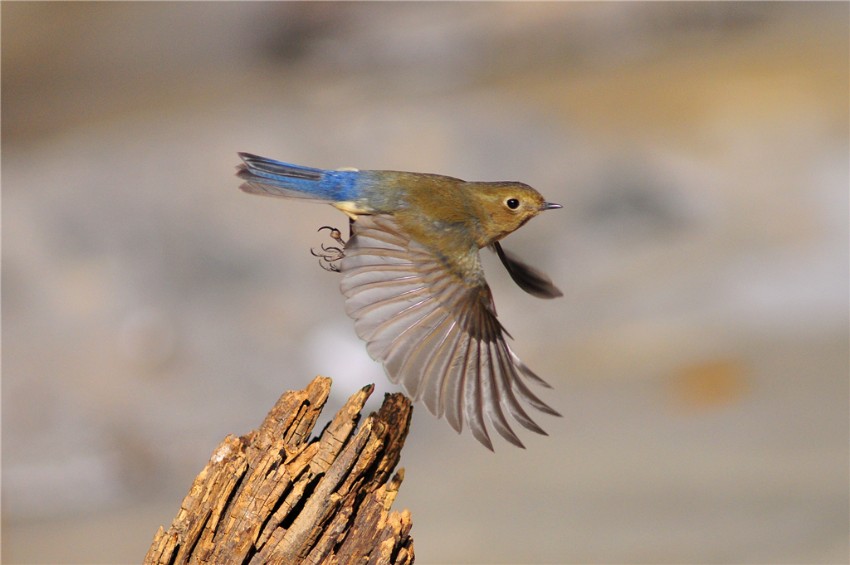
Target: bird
{"points": [[414, 284]]}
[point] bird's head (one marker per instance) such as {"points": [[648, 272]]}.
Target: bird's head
{"points": [[506, 206]]}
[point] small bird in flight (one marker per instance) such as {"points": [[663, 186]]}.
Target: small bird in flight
{"points": [[414, 284]]}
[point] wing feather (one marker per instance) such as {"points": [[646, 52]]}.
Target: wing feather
{"points": [[435, 330], [406, 345], [436, 370], [473, 398], [454, 385], [494, 396], [427, 340], [507, 376]]}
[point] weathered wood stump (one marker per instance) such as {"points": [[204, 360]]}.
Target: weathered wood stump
{"points": [[277, 496]]}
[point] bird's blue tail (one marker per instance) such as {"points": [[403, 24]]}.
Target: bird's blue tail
{"points": [[274, 178]]}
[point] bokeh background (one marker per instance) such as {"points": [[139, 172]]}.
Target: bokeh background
{"points": [[699, 355]]}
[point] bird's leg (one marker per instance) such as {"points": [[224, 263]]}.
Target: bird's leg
{"points": [[330, 254]]}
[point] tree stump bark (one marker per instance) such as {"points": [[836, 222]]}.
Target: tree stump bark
{"points": [[277, 496]]}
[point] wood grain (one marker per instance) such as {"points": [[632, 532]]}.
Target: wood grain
{"points": [[279, 495]]}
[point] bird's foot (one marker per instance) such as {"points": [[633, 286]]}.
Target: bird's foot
{"points": [[329, 255]]}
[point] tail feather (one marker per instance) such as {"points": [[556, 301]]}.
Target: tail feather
{"points": [[268, 177], [269, 168]]}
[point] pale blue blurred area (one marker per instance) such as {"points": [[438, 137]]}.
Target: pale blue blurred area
{"points": [[699, 355]]}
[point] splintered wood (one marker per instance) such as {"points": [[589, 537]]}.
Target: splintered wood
{"points": [[277, 496]]}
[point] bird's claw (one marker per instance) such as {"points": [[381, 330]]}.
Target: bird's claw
{"points": [[335, 234], [330, 254]]}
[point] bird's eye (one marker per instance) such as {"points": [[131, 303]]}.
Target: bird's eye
{"points": [[512, 203]]}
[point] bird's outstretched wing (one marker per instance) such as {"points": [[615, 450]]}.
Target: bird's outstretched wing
{"points": [[532, 281], [435, 331]]}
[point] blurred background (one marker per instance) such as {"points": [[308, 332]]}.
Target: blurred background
{"points": [[699, 355]]}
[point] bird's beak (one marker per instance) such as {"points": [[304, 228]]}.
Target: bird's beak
{"points": [[549, 206]]}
